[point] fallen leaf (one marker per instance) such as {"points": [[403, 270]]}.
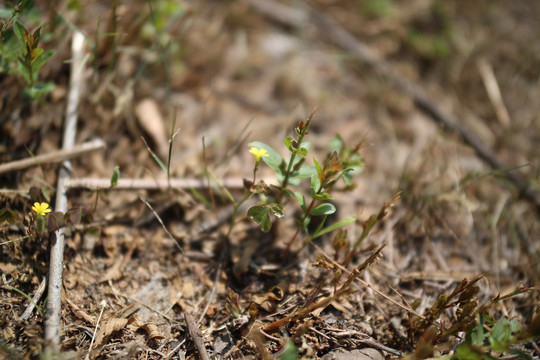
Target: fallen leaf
{"points": [[151, 121]]}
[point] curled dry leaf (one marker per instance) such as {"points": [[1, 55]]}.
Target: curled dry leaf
{"points": [[153, 331], [108, 328], [269, 301]]}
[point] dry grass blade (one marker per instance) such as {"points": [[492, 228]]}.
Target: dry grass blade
{"points": [[162, 224]]}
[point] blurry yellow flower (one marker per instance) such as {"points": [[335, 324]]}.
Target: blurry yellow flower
{"points": [[41, 208], [258, 153]]}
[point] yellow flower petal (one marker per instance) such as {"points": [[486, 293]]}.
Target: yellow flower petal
{"points": [[258, 153], [41, 208]]}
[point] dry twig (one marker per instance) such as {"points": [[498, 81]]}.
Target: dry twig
{"points": [[195, 334], [53, 157], [302, 312], [54, 300], [39, 293], [148, 184]]}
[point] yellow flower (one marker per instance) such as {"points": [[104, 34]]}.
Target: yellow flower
{"points": [[41, 209], [258, 153]]}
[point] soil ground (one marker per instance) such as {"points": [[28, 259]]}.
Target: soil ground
{"points": [[228, 74]]}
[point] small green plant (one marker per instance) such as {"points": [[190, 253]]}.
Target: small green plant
{"points": [[484, 336], [490, 337], [31, 58], [341, 163], [42, 220], [19, 49]]}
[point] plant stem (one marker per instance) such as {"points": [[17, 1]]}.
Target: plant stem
{"points": [[293, 157], [308, 209]]}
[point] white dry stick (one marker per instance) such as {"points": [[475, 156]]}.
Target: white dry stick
{"points": [[39, 293], [151, 184], [54, 299], [53, 157], [494, 92]]}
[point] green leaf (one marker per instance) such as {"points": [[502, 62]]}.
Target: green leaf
{"points": [[35, 37], [304, 148], [307, 171], [277, 210], [319, 169], [515, 326], [468, 351], [289, 143], [323, 209], [273, 160], [115, 175], [55, 221], [500, 335], [39, 90], [322, 196], [320, 226], [287, 192], [296, 177], [301, 200], [34, 54], [336, 177], [41, 59], [333, 227], [477, 335], [290, 352], [315, 185], [158, 161], [23, 69], [20, 32], [9, 215], [260, 215]]}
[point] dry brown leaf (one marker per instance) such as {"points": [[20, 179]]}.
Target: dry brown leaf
{"points": [[151, 121], [153, 331], [114, 272], [135, 324], [112, 325], [269, 301], [80, 314], [335, 304], [7, 268], [187, 290]]}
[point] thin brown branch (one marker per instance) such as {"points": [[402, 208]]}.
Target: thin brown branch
{"points": [[302, 312], [196, 336], [366, 284]]}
